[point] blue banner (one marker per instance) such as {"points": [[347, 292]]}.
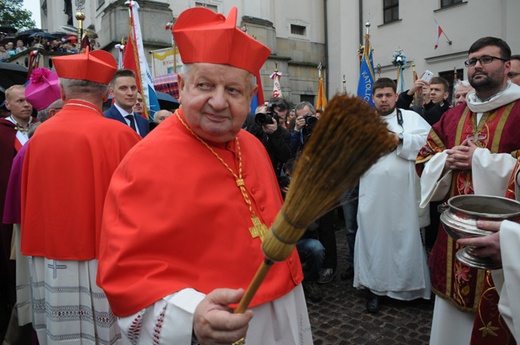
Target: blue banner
{"points": [[366, 78]]}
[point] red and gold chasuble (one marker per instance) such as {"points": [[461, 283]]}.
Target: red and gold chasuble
{"points": [[470, 289]]}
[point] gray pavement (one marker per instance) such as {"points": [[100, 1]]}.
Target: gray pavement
{"points": [[341, 318]]}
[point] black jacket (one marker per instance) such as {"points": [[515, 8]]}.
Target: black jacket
{"points": [[431, 112]]}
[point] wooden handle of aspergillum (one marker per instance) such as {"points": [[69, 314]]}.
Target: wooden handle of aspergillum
{"points": [[253, 286]]}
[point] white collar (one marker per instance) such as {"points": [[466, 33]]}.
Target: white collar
{"points": [[122, 111], [509, 94]]}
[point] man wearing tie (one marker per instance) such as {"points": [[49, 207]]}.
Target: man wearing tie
{"points": [[123, 88]]}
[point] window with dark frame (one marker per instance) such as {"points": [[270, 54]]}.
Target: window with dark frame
{"points": [[390, 11], [447, 3], [298, 29], [203, 4], [307, 98]]}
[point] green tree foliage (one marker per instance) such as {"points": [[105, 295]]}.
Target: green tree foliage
{"points": [[13, 13]]}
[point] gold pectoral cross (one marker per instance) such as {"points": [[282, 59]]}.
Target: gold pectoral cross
{"points": [[258, 229]]}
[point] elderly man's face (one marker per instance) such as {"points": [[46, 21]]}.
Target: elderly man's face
{"points": [[215, 100], [514, 73], [161, 115], [460, 94]]}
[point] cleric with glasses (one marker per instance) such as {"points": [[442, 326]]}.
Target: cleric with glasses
{"points": [[484, 60]]}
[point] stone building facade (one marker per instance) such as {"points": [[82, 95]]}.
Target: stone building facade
{"points": [[304, 33]]}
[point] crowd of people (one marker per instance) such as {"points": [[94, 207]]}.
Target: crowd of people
{"points": [[106, 238], [65, 44]]}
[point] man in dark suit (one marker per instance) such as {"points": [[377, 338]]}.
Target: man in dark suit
{"points": [[123, 88]]}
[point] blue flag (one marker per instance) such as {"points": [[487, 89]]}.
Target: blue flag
{"points": [[258, 98], [366, 77], [254, 104]]}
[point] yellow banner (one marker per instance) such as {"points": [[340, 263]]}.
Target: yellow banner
{"points": [[165, 61]]}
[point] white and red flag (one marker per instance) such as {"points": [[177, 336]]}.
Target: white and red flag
{"points": [[277, 88], [438, 33]]}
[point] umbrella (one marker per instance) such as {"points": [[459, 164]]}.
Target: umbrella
{"points": [[69, 29], [7, 39], [59, 34], [8, 29], [70, 38], [166, 101], [42, 35], [11, 74], [24, 35]]}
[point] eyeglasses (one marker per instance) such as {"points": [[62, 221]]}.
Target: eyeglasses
{"points": [[484, 60], [511, 75]]}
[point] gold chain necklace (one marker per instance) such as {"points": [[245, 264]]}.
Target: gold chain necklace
{"points": [[18, 126], [258, 229]]}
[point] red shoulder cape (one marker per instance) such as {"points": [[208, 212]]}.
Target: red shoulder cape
{"points": [[174, 218], [66, 172]]}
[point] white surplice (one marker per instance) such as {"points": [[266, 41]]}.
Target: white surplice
{"points": [[23, 282], [68, 306], [390, 258], [169, 321], [507, 280]]}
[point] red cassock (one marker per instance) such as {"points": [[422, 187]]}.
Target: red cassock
{"points": [[66, 173], [174, 218]]}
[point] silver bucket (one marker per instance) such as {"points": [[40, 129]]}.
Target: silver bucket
{"points": [[459, 219]]}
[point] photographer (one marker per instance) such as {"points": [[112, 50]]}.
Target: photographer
{"points": [[266, 125], [281, 108], [305, 122], [435, 104]]}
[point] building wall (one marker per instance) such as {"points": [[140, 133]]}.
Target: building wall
{"points": [[414, 33], [332, 37], [343, 42], [296, 56]]}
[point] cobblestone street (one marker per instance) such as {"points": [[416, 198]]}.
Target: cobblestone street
{"points": [[341, 318]]}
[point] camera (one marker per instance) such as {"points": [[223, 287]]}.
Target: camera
{"points": [[310, 120], [263, 119], [284, 181]]}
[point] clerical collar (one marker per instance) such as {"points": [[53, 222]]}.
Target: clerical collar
{"points": [[18, 126], [510, 94]]}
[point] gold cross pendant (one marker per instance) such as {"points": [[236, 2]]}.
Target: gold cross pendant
{"points": [[258, 229]]}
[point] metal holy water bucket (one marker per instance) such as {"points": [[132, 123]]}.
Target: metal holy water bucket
{"points": [[459, 219]]}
